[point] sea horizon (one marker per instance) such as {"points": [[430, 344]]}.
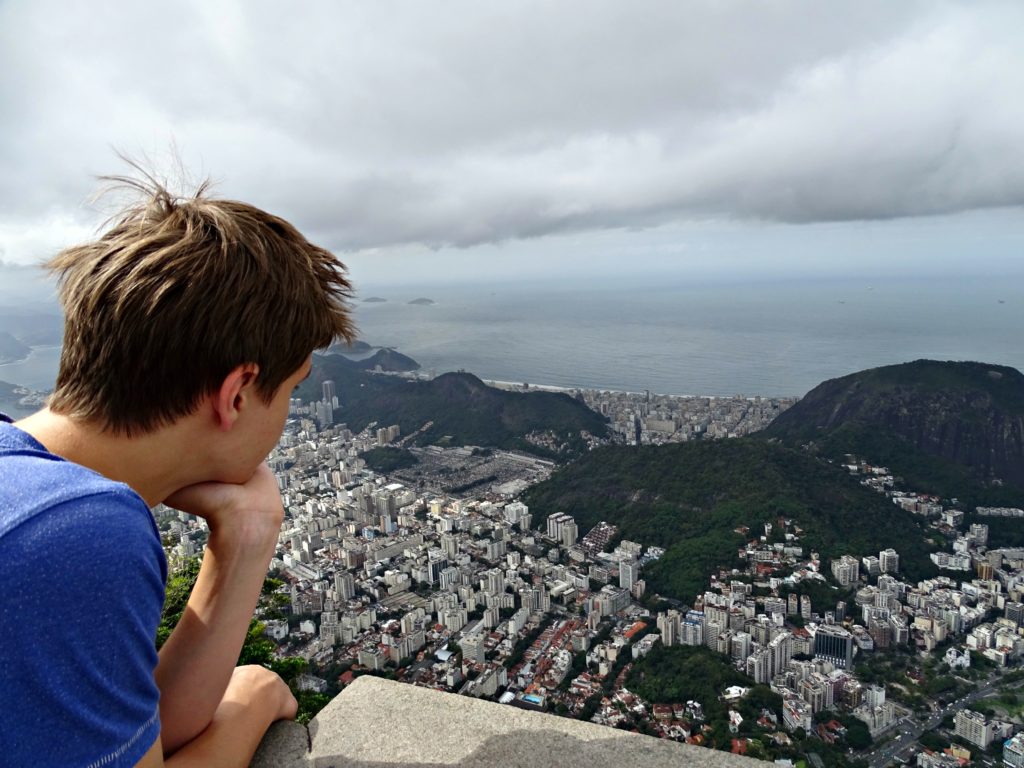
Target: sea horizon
{"points": [[763, 338]]}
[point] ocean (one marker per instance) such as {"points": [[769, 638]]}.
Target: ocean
{"points": [[766, 338], [676, 337]]}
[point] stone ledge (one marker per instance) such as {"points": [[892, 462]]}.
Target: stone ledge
{"points": [[285, 745], [377, 723]]}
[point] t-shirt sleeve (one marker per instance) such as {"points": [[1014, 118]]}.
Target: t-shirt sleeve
{"points": [[83, 588]]}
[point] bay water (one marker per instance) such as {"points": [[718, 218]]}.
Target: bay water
{"points": [[677, 337]]}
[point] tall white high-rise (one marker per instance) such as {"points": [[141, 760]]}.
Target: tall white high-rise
{"points": [[888, 561], [629, 573], [344, 585], [669, 625]]}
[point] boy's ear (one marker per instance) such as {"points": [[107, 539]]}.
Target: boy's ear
{"points": [[233, 395]]}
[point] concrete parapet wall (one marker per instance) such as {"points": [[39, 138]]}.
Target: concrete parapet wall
{"points": [[377, 723]]}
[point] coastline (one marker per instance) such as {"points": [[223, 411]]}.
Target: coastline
{"points": [[25, 373], [32, 351], [36, 372], [516, 386]]}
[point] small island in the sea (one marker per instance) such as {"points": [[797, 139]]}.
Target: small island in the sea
{"points": [[423, 302], [373, 300]]}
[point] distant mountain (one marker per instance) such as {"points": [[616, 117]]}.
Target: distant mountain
{"points": [[423, 302], [388, 360], [950, 428], [32, 327], [690, 498], [11, 349], [341, 347], [373, 300], [385, 358], [463, 409]]}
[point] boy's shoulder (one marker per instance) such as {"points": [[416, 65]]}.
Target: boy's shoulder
{"points": [[50, 507], [33, 480], [83, 572]]}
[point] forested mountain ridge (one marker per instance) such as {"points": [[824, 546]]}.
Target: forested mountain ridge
{"points": [[690, 498], [387, 359], [463, 409], [950, 428]]}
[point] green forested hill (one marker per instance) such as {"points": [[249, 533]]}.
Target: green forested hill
{"points": [[689, 497], [387, 360], [951, 428], [463, 409]]}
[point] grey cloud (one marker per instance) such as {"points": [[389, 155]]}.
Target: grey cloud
{"points": [[394, 123]]}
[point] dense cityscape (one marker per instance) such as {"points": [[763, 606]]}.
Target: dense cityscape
{"points": [[436, 574], [576, 384]]}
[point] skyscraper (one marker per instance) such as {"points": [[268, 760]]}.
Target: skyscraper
{"points": [[888, 561], [569, 533], [556, 522], [669, 625], [629, 572], [329, 392], [846, 570], [344, 585], [834, 644], [692, 628]]}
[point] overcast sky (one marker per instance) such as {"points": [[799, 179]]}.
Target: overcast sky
{"points": [[455, 140]]}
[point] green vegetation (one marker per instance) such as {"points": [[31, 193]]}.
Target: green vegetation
{"points": [[179, 587], [579, 665], [257, 648], [460, 406], [934, 741], [521, 647], [824, 596], [858, 736], [944, 427], [918, 470], [1006, 704], [387, 360], [683, 673], [882, 668], [690, 497], [694, 673], [388, 459], [1002, 531]]}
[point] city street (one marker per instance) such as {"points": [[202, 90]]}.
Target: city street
{"points": [[910, 730]]}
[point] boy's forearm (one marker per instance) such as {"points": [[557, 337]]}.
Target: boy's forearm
{"points": [[254, 700], [198, 658], [226, 743]]}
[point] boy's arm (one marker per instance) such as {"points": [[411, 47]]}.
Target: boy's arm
{"points": [[198, 659], [255, 698]]}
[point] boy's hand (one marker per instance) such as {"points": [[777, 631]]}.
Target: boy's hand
{"points": [[251, 510], [256, 685]]}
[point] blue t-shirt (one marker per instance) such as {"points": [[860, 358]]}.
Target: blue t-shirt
{"points": [[82, 578]]}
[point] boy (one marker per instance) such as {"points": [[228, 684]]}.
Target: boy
{"points": [[187, 325]]}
